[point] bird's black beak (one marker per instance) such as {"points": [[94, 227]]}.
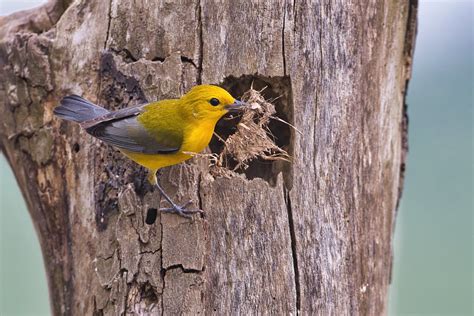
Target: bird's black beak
{"points": [[236, 106]]}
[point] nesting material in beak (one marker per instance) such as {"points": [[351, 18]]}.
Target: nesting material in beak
{"points": [[253, 139]]}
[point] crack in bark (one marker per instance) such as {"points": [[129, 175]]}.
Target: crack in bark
{"points": [[158, 58], [163, 271], [128, 57], [107, 34], [283, 40], [27, 133], [50, 19], [321, 46], [187, 60], [106, 258], [201, 44], [295, 15], [183, 269], [69, 283], [109, 22], [199, 193], [149, 251], [97, 311], [294, 253]]}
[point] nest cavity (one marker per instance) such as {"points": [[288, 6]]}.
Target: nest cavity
{"points": [[252, 139]]}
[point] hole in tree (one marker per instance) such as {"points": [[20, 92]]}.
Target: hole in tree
{"points": [[76, 147], [151, 215], [148, 294], [278, 92]]}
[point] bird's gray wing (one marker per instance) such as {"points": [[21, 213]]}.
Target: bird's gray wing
{"points": [[122, 129]]}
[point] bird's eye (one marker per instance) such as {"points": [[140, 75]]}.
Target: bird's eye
{"points": [[214, 102]]}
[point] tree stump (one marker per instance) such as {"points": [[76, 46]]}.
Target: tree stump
{"points": [[312, 236]]}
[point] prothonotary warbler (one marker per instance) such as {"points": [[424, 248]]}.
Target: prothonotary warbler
{"points": [[157, 134]]}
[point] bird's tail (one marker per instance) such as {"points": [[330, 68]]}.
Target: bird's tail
{"points": [[77, 109]]}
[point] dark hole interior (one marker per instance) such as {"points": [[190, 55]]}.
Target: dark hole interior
{"points": [[278, 91], [76, 147], [151, 215], [148, 294]]}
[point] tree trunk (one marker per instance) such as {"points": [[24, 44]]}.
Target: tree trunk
{"points": [[313, 236]]}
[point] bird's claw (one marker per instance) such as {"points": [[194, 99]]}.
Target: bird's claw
{"points": [[181, 210]]}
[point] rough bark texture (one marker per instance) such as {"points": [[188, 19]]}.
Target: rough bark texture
{"points": [[312, 236]]}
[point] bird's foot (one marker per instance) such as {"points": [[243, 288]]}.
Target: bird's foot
{"points": [[181, 210]]}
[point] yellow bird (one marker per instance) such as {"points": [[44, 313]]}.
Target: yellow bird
{"points": [[158, 134]]}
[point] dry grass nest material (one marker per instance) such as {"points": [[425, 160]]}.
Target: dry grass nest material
{"points": [[253, 138]]}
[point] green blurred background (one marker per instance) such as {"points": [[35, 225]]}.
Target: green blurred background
{"points": [[433, 268]]}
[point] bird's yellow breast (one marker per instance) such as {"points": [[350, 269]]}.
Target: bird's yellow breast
{"points": [[196, 138]]}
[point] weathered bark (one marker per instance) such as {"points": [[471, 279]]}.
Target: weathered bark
{"points": [[313, 235]]}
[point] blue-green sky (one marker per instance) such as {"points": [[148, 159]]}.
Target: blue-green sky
{"points": [[434, 234], [433, 268]]}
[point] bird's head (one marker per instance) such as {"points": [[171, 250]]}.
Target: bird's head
{"points": [[210, 102]]}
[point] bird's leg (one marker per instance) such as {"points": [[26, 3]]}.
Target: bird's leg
{"points": [[175, 208]]}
